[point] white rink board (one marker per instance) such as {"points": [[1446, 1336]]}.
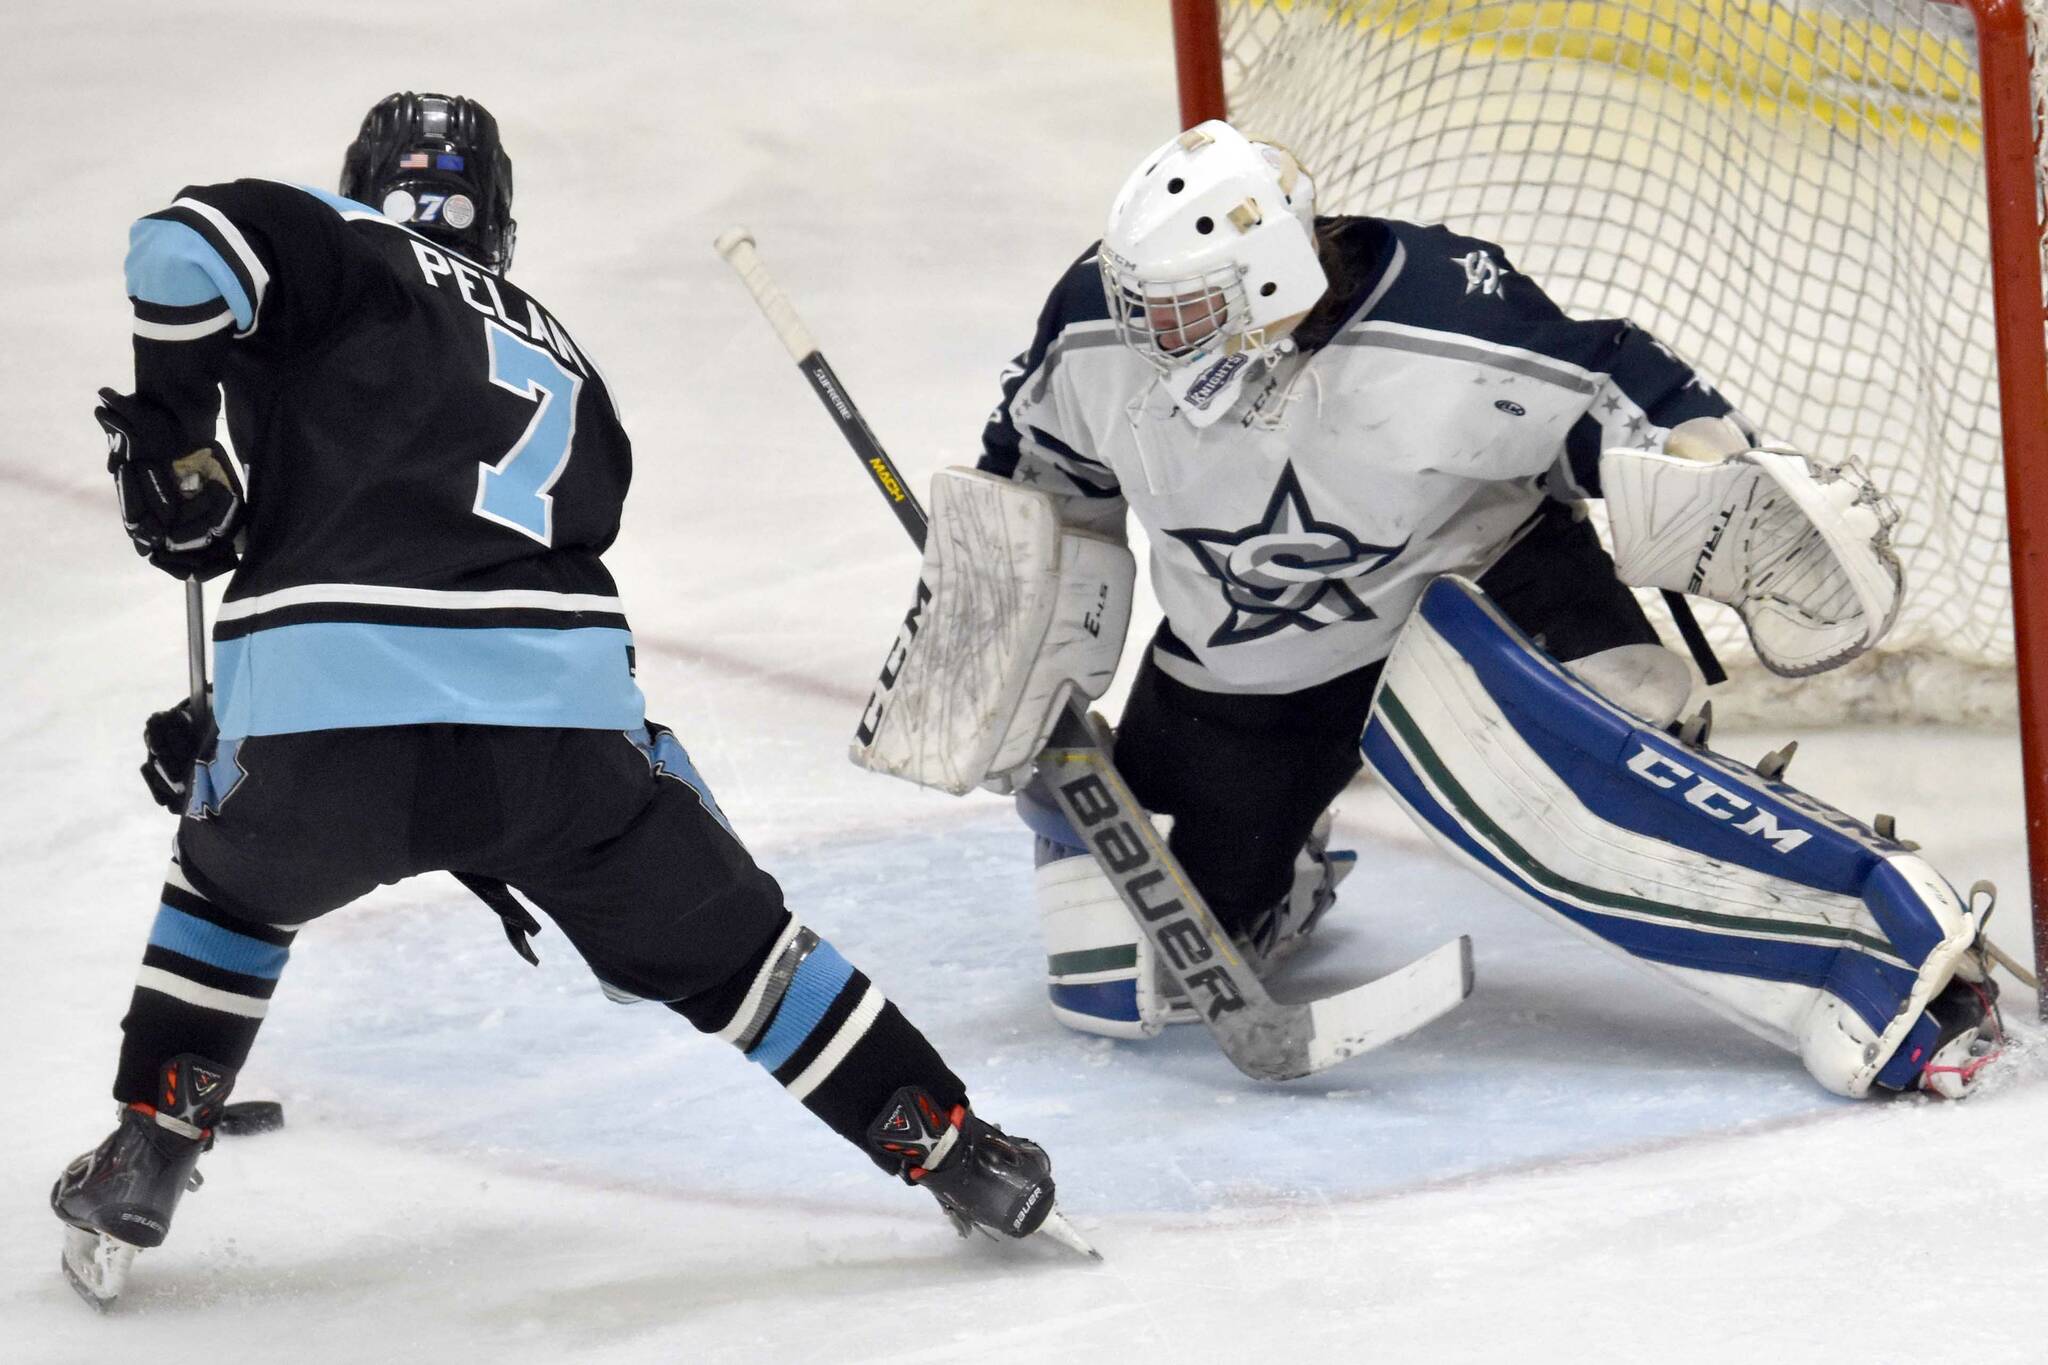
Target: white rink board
{"points": [[485, 1161]]}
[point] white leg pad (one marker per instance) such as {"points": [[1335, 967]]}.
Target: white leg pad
{"points": [[1789, 917], [1100, 971], [1100, 975]]}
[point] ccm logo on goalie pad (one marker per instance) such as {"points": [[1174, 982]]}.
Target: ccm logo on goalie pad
{"points": [[871, 715], [1714, 799], [1127, 858]]}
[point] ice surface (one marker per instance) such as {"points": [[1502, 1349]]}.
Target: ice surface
{"points": [[488, 1161]]}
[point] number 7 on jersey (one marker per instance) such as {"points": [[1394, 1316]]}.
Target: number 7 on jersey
{"points": [[514, 491]]}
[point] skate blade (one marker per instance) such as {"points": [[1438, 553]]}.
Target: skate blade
{"points": [[1060, 1230], [96, 1265]]}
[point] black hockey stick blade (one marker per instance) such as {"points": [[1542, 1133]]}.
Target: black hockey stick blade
{"points": [[245, 1118]]}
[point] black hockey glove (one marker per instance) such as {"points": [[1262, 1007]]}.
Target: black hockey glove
{"points": [[172, 741], [182, 506]]}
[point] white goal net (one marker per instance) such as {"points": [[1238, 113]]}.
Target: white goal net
{"points": [[1790, 195]]}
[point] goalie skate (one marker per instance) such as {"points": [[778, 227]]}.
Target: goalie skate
{"points": [[1282, 931], [1971, 1037]]}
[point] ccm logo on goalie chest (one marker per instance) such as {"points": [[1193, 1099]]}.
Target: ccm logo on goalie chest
{"points": [[1710, 797]]}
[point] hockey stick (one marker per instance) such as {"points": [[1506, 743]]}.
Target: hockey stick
{"points": [[195, 652], [238, 1118], [1266, 1039]]}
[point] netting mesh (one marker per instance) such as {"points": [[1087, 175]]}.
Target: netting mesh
{"points": [[1790, 195]]}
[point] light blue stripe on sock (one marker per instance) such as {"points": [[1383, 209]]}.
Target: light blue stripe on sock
{"points": [[192, 937], [818, 981]]}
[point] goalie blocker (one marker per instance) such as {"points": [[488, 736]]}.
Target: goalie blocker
{"points": [[1013, 615], [1794, 920]]}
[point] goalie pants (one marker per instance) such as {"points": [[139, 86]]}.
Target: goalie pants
{"points": [[1245, 775], [613, 836]]}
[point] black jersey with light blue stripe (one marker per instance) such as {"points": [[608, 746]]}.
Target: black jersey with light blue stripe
{"points": [[435, 467]]}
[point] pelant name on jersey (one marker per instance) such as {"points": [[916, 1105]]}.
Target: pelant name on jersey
{"points": [[479, 289]]}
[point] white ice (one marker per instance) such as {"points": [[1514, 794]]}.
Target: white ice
{"points": [[485, 1161]]}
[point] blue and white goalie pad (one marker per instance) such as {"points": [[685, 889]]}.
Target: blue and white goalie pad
{"points": [[1796, 921]]}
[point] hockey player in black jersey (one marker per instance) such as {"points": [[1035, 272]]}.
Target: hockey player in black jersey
{"points": [[422, 664], [1360, 450]]}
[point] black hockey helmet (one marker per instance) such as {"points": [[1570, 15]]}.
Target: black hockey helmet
{"points": [[434, 163]]}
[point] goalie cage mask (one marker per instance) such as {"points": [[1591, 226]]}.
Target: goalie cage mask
{"points": [[1210, 249]]}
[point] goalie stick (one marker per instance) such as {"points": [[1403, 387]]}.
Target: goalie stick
{"points": [[1266, 1039]]}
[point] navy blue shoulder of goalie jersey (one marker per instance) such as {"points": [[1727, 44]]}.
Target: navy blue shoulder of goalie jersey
{"points": [[435, 467], [1430, 278]]}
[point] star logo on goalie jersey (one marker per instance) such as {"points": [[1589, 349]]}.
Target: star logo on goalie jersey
{"points": [[1287, 568], [1483, 274]]}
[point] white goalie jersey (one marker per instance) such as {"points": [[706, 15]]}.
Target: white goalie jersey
{"points": [[1416, 433]]}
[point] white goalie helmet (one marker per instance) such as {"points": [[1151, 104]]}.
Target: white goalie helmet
{"points": [[1210, 249]]}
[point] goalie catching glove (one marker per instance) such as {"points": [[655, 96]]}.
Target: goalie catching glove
{"points": [[1801, 550], [1014, 614]]}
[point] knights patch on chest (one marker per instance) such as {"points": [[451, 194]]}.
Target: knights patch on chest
{"points": [[1287, 569]]}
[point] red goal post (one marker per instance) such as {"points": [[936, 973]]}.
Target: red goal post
{"points": [[1866, 173]]}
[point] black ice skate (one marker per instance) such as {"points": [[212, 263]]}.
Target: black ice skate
{"points": [[981, 1176], [119, 1197]]}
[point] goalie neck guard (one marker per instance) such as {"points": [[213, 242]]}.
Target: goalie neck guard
{"points": [[434, 163]]}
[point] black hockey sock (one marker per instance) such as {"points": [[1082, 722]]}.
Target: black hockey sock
{"points": [[824, 1031], [204, 988]]}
